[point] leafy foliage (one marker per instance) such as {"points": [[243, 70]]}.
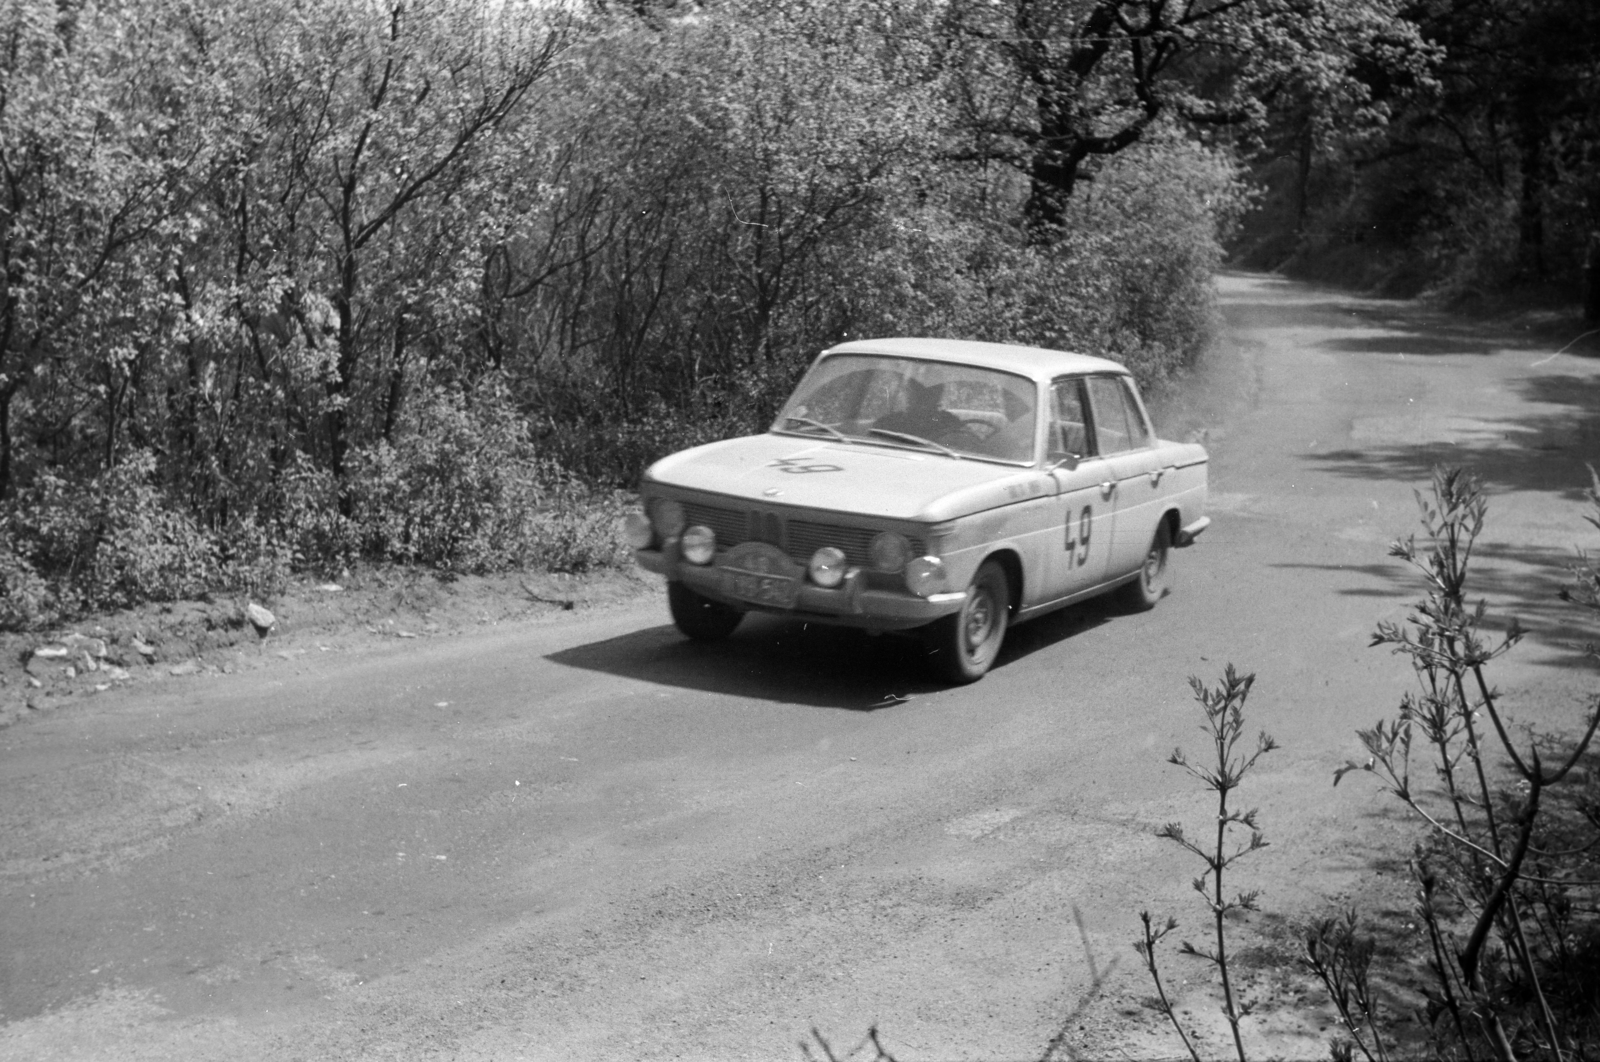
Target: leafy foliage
{"points": [[1470, 168], [118, 541], [298, 284], [1055, 88]]}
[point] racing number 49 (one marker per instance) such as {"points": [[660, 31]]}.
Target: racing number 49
{"points": [[1078, 537]]}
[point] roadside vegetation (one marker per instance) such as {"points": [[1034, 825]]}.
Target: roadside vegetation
{"points": [[297, 285]]}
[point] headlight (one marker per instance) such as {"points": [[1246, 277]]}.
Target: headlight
{"points": [[827, 567], [925, 576], [668, 517], [889, 552], [637, 531], [698, 545]]}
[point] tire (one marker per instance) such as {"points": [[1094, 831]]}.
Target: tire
{"points": [[1152, 582], [963, 646], [700, 618]]}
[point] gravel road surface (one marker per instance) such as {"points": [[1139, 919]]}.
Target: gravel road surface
{"points": [[581, 838]]}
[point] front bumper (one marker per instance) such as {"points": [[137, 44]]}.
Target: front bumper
{"points": [[851, 604]]}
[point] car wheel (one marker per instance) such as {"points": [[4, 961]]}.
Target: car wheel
{"points": [[698, 617], [963, 645], [1151, 584]]}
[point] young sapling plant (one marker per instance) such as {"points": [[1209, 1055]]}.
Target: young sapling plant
{"points": [[1493, 857], [1229, 761]]}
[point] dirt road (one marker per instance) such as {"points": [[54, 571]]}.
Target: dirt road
{"points": [[582, 838]]}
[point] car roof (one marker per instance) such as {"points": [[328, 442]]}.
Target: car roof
{"points": [[1039, 363]]}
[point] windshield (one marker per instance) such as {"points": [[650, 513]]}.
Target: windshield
{"points": [[960, 410]]}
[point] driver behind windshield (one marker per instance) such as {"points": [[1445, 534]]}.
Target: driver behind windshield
{"points": [[920, 413]]}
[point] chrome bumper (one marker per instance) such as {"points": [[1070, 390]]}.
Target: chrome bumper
{"points": [[1188, 533]]}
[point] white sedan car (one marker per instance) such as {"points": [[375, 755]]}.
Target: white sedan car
{"points": [[946, 486]]}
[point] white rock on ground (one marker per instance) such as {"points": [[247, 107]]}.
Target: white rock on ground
{"points": [[260, 618]]}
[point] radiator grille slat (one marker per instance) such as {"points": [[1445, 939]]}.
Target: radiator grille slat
{"points": [[727, 524], [798, 538], [806, 537]]}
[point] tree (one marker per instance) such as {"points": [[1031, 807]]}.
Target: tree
{"points": [[690, 189], [96, 164], [1521, 106], [353, 219], [1052, 86]]}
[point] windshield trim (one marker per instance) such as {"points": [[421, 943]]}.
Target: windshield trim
{"points": [[889, 444]]}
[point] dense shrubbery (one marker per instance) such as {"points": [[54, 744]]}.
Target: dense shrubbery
{"points": [[296, 284], [108, 543]]}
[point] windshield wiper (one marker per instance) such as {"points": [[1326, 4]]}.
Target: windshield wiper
{"points": [[916, 439], [807, 422]]}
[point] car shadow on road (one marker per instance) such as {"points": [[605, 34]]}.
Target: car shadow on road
{"points": [[769, 659], [793, 662]]}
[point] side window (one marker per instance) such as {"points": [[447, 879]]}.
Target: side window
{"points": [[1110, 415], [1138, 427], [1069, 427]]}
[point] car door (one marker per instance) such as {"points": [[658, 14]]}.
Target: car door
{"points": [[1085, 483], [1123, 437]]}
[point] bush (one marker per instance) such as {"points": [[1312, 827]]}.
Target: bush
{"points": [[112, 543], [1130, 278], [26, 598], [463, 489]]}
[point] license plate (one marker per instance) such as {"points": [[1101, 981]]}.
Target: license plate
{"points": [[775, 590]]}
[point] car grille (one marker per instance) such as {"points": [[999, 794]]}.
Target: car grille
{"points": [[729, 525], [798, 538]]}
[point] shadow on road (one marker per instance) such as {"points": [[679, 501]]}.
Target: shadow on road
{"points": [[1521, 583], [1549, 452], [1397, 581], [790, 662], [768, 659], [1452, 341], [1392, 326], [1545, 451]]}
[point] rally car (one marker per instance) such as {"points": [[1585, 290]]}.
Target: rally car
{"points": [[945, 486]]}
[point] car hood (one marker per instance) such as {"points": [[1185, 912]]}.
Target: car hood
{"points": [[864, 479]]}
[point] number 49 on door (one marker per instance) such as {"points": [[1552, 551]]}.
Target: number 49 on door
{"points": [[1078, 537]]}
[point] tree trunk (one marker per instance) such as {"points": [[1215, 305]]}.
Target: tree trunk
{"points": [[397, 380], [340, 386], [6, 489], [1591, 280], [1052, 182], [1530, 221], [1302, 180]]}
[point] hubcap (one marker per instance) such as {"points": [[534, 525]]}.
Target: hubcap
{"points": [[980, 619], [1152, 567]]}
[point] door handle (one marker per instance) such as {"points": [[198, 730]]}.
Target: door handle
{"points": [[1107, 487], [1155, 476]]}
